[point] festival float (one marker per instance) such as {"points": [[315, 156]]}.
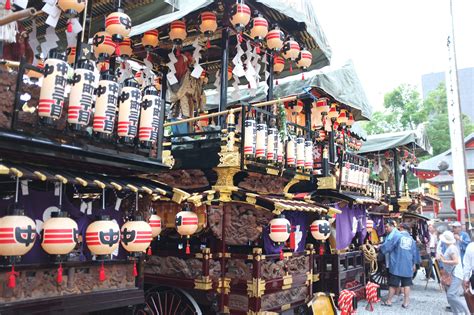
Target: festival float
{"points": [[178, 199]]}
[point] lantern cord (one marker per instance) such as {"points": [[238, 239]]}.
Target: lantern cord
{"points": [[60, 195], [103, 198], [16, 189], [136, 201], [12, 277]]}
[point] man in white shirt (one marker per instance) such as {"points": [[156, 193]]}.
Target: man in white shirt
{"points": [[468, 262]]}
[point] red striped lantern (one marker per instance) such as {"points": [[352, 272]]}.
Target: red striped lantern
{"points": [[59, 234], [150, 39], [208, 25], [258, 27], [72, 7], [278, 64], [103, 236], [118, 25], [304, 59], [369, 226], [291, 49], [125, 47], [320, 230], [241, 15], [129, 110], [35, 75], [155, 223], [350, 120], [17, 234], [178, 32], [103, 45], [187, 223], [342, 118], [136, 235], [322, 106], [275, 39], [280, 229], [333, 112], [149, 116]]}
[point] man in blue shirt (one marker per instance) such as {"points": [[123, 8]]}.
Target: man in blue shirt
{"points": [[403, 256], [462, 238]]}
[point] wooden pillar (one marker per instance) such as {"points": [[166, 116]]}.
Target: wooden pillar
{"points": [[161, 130], [256, 286]]}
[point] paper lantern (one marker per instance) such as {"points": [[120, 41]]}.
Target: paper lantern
{"points": [[178, 32], [275, 39], [118, 25], [333, 112], [342, 118], [71, 55], [129, 110], [106, 104], [103, 45], [150, 39], [250, 138], [280, 229], [51, 100], [291, 49], [278, 64], [308, 156], [208, 25], [240, 16], [72, 7], [350, 120], [125, 47], [103, 236], [280, 150], [300, 156], [304, 59], [322, 106], [272, 144], [59, 234], [321, 135], [17, 234], [136, 235], [149, 116], [155, 223], [81, 98], [35, 75], [291, 152], [258, 27], [261, 141], [187, 223], [320, 229], [369, 226]]}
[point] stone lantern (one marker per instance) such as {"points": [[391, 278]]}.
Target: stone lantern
{"points": [[444, 181]]}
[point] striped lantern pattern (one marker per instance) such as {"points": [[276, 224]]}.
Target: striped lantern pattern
{"points": [[76, 6], [280, 229], [102, 44], [300, 156], [59, 236], [81, 98], [291, 49], [106, 104], [155, 224], [150, 39], [278, 64], [17, 235], [272, 144], [129, 109], [250, 137], [308, 156], [186, 223], [320, 229], [125, 47], [118, 24], [136, 236], [258, 28], [178, 31], [346, 302], [102, 237], [291, 152], [149, 115], [208, 23], [240, 16], [304, 59], [275, 39], [369, 226], [261, 141]]}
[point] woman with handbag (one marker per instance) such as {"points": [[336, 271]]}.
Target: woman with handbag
{"points": [[452, 274]]}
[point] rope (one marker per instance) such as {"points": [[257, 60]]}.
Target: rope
{"points": [[370, 256]]}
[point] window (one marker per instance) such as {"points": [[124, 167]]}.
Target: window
{"points": [[471, 185]]}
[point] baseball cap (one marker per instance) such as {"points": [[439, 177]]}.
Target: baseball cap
{"points": [[456, 224]]}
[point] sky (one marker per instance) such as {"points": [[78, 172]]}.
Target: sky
{"points": [[395, 41]]}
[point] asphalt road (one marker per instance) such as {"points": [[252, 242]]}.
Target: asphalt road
{"points": [[429, 301]]}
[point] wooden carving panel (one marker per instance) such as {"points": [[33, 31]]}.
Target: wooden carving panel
{"points": [[37, 284], [238, 302], [183, 179], [238, 269], [174, 267], [263, 184], [243, 223], [277, 269], [274, 300]]}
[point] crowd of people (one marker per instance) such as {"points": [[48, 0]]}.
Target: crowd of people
{"points": [[451, 251]]}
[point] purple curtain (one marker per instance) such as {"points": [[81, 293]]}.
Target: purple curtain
{"points": [[299, 222], [379, 224], [350, 217]]}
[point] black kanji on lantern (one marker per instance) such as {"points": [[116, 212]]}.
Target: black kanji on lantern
{"points": [[128, 236], [25, 236], [126, 21], [109, 238], [324, 229]]}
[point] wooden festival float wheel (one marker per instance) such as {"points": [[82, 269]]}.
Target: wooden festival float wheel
{"points": [[168, 301], [380, 276]]}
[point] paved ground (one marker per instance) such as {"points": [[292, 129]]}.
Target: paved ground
{"points": [[429, 301]]}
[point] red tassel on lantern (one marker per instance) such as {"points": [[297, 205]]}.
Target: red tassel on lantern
{"points": [[59, 278], [149, 253], [258, 49], [12, 278], [240, 38], [69, 26], [8, 5], [321, 249], [291, 67], [281, 254], [188, 248], [117, 50], [135, 272], [208, 45], [178, 52], [292, 239], [302, 76], [102, 272]]}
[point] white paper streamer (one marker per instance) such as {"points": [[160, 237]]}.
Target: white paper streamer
{"points": [[125, 71], [237, 61], [196, 56], [171, 76], [148, 75], [33, 39], [21, 3], [266, 75], [50, 42], [235, 85]]}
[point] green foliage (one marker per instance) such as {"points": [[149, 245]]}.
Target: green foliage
{"points": [[405, 110]]}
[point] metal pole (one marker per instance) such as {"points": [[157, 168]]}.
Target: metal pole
{"points": [[270, 77], [224, 76], [84, 34], [161, 129], [397, 175]]}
